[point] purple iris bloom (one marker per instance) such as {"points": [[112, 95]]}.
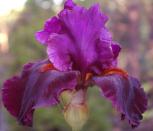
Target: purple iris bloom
{"points": [[81, 53]]}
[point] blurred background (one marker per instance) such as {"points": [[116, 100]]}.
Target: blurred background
{"points": [[131, 24]]}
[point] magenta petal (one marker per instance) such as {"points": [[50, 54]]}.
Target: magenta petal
{"points": [[104, 51], [11, 99], [42, 36], [77, 39], [13, 90], [105, 35], [84, 40], [116, 49], [126, 95], [59, 51], [34, 88], [52, 25], [69, 4]]}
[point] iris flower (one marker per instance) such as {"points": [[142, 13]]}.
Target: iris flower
{"points": [[81, 54]]}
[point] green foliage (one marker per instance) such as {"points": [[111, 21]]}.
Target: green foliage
{"points": [[100, 112], [22, 40]]}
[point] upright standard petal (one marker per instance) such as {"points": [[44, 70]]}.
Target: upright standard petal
{"points": [[82, 41], [37, 86], [69, 4], [126, 94]]}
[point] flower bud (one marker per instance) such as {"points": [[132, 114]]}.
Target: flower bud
{"points": [[76, 112]]}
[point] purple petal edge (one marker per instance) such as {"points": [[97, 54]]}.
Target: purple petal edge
{"points": [[126, 95], [21, 95]]}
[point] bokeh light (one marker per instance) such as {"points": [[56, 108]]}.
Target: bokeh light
{"points": [[58, 2], [7, 5]]}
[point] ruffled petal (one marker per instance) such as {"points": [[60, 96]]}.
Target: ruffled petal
{"points": [[37, 86], [84, 42], [13, 90], [105, 34], [59, 52], [76, 39], [69, 4], [126, 94], [52, 25]]}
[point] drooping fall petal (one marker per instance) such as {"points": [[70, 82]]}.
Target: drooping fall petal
{"points": [[126, 94], [35, 87]]}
